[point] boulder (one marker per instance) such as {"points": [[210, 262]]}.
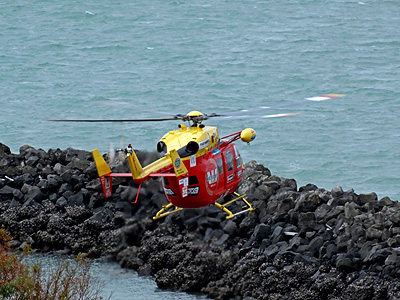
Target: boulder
{"points": [[367, 198], [4, 150]]}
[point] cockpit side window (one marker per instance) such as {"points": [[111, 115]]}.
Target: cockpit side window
{"points": [[220, 166], [238, 158], [229, 160]]}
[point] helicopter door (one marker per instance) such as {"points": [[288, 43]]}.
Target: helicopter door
{"points": [[230, 169]]}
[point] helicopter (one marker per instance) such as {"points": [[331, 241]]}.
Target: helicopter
{"points": [[198, 167]]}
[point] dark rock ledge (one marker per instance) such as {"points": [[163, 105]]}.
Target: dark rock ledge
{"points": [[299, 243]]}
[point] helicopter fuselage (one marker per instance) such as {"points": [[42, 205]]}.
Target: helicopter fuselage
{"points": [[211, 176], [196, 166]]}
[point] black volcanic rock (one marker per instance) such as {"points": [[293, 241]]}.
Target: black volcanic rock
{"points": [[4, 150], [299, 243]]}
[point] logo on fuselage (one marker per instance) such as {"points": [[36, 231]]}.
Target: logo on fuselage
{"points": [[177, 162], [212, 176], [204, 143], [194, 191], [169, 192]]}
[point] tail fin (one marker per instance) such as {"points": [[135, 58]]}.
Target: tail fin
{"points": [[104, 173], [101, 165], [136, 167]]}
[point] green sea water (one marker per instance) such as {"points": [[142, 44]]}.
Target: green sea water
{"points": [[102, 59], [137, 59]]}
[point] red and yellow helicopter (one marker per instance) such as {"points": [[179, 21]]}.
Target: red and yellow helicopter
{"points": [[197, 166]]}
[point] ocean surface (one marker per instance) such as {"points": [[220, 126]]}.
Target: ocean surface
{"points": [[154, 59]]}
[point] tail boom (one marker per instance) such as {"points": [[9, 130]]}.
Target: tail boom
{"points": [[171, 165]]}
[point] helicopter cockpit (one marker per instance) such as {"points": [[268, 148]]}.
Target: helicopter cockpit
{"points": [[196, 139]]}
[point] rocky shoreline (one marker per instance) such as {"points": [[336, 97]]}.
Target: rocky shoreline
{"points": [[299, 243]]}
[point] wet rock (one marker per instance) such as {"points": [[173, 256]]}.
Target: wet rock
{"points": [[61, 202], [315, 244], [78, 213], [7, 191], [307, 203], [367, 198], [101, 217], [321, 211], [76, 199], [262, 192], [230, 227], [59, 168], [129, 194], [337, 191], [79, 164], [4, 150], [307, 221], [351, 210], [34, 193], [385, 201], [298, 244], [262, 231], [307, 188]]}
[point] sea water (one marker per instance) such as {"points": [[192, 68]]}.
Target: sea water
{"points": [[111, 281], [155, 59]]}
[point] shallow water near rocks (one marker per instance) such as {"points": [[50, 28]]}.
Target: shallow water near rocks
{"points": [[117, 282]]}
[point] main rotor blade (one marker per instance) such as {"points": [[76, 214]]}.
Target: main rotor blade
{"points": [[234, 117], [118, 120], [257, 111], [251, 113]]}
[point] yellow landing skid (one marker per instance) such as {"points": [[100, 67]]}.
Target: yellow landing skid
{"points": [[163, 212], [230, 214]]}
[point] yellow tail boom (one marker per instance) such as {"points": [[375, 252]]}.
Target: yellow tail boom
{"points": [[138, 173]]}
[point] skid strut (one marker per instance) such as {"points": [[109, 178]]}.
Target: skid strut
{"points": [[230, 214], [163, 212]]}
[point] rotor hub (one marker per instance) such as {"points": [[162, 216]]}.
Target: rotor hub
{"points": [[195, 116], [194, 113]]}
